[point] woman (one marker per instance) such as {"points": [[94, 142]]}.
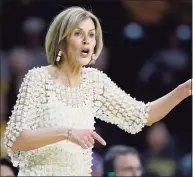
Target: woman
{"points": [[51, 130]]}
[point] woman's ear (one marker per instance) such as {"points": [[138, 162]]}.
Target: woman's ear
{"points": [[63, 44]]}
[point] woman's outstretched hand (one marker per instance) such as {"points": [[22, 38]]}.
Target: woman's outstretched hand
{"points": [[86, 138], [186, 88]]}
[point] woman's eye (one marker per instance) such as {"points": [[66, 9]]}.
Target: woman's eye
{"points": [[77, 33], [92, 34]]}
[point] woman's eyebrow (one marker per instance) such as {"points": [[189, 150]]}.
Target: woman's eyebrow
{"points": [[82, 29]]}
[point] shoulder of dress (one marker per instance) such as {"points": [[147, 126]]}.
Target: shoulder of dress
{"points": [[89, 70], [96, 76], [93, 71], [38, 70], [37, 73]]}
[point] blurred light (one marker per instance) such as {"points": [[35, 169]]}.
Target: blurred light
{"points": [[133, 31], [183, 32]]}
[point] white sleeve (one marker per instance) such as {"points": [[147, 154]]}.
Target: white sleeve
{"points": [[115, 106], [25, 114]]}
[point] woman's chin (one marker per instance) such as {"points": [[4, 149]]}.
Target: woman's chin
{"points": [[84, 61]]}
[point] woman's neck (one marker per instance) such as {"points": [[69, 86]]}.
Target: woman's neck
{"points": [[69, 73]]}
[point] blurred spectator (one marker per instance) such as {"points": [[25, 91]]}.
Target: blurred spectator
{"points": [[5, 77], [25, 57], [4, 72], [19, 63], [7, 168], [160, 71], [161, 157], [139, 32], [122, 160], [33, 28]]}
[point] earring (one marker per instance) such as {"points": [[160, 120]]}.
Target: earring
{"points": [[59, 56]]}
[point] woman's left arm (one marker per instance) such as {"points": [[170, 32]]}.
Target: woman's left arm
{"points": [[115, 106], [162, 106]]}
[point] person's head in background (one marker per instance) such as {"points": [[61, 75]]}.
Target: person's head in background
{"points": [[19, 60], [158, 137], [6, 168], [33, 27], [121, 160]]}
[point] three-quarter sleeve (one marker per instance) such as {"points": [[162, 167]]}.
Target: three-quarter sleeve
{"points": [[115, 106], [25, 113]]}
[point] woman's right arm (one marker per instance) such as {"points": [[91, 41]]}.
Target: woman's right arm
{"points": [[33, 139], [25, 116], [22, 132]]}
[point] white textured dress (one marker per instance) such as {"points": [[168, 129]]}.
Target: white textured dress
{"points": [[44, 103]]}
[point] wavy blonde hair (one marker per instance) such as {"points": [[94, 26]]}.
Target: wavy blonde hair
{"points": [[63, 25]]}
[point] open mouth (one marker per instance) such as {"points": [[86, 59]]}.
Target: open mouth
{"points": [[85, 51]]}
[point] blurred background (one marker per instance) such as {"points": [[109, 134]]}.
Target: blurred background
{"points": [[147, 52]]}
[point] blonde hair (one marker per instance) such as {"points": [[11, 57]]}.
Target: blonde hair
{"points": [[63, 25]]}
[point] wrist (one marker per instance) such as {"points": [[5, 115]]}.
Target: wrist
{"points": [[69, 134], [180, 93], [63, 133]]}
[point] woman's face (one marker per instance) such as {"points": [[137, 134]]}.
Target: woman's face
{"points": [[81, 42]]}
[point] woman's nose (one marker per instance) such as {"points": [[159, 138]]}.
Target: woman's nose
{"points": [[85, 40]]}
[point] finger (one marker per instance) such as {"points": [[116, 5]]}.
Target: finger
{"points": [[87, 142], [83, 144], [98, 138], [91, 140]]}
